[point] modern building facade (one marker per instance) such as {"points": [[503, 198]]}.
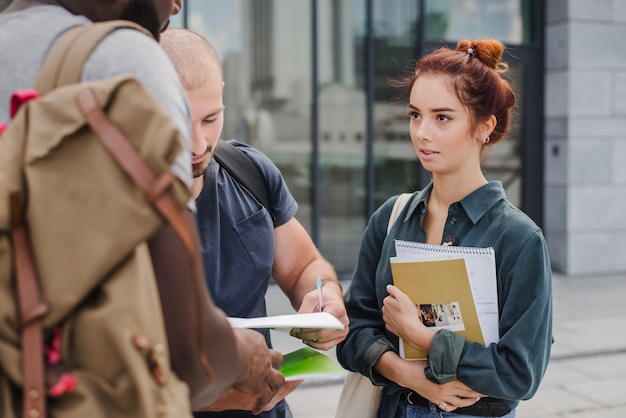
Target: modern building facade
{"points": [[307, 82]]}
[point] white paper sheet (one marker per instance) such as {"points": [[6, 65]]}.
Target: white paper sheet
{"points": [[314, 320]]}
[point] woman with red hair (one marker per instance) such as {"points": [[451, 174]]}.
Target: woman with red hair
{"points": [[458, 106]]}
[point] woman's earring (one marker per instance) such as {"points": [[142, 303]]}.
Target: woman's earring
{"points": [[486, 140]]}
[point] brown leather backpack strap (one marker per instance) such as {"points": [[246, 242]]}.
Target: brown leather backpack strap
{"points": [[134, 165], [32, 309]]}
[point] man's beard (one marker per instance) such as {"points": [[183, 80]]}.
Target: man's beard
{"points": [[144, 12], [198, 169]]}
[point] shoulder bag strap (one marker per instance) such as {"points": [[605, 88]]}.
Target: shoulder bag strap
{"points": [[245, 172], [398, 205], [32, 309]]}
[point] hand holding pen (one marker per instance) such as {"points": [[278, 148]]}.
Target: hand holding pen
{"points": [[326, 297]]}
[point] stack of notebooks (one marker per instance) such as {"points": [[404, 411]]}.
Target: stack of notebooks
{"points": [[454, 288]]}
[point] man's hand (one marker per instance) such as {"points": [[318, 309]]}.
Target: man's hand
{"points": [[262, 380], [234, 399], [324, 339]]}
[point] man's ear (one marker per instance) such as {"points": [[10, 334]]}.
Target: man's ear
{"points": [[178, 6]]}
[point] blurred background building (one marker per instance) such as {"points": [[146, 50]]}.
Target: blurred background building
{"points": [[307, 82]]}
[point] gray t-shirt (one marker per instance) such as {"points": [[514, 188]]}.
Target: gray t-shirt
{"points": [[26, 37]]}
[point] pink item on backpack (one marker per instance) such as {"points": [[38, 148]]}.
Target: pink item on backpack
{"points": [[20, 97]]}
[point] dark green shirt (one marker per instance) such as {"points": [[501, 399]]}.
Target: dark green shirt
{"points": [[510, 370]]}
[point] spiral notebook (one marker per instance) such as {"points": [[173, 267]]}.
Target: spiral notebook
{"points": [[477, 276]]}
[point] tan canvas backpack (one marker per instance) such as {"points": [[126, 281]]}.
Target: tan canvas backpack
{"points": [[88, 214]]}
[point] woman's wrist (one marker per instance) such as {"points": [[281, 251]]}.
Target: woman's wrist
{"points": [[421, 338], [405, 373], [388, 365]]}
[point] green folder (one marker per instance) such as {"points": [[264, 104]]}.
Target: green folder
{"points": [[307, 363]]}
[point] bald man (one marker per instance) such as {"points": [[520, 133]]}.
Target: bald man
{"points": [[242, 247]]}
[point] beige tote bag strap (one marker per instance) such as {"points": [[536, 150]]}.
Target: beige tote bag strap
{"points": [[399, 204]]}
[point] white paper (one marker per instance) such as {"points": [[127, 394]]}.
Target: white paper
{"points": [[481, 270], [314, 320]]}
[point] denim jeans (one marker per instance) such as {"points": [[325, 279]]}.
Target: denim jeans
{"points": [[414, 411]]}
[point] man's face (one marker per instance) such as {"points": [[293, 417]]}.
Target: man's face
{"points": [[153, 15], [207, 114]]}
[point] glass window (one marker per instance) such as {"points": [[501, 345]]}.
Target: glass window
{"points": [[396, 46], [342, 113], [451, 20], [265, 48], [222, 24]]}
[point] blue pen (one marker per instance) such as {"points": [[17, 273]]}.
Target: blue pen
{"points": [[318, 285]]}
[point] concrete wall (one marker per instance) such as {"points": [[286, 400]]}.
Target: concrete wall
{"points": [[585, 98]]}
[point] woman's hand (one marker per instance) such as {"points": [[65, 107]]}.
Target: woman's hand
{"points": [[449, 396], [402, 318]]}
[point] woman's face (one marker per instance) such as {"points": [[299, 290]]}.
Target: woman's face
{"points": [[440, 127]]}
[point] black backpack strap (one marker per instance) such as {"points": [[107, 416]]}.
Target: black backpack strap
{"points": [[245, 172]]}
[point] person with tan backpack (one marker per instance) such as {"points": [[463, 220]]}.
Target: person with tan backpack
{"points": [[103, 307]]}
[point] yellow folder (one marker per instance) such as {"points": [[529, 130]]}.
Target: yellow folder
{"points": [[440, 288]]}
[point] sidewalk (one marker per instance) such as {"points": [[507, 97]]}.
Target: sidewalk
{"points": [[586, 377]]}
